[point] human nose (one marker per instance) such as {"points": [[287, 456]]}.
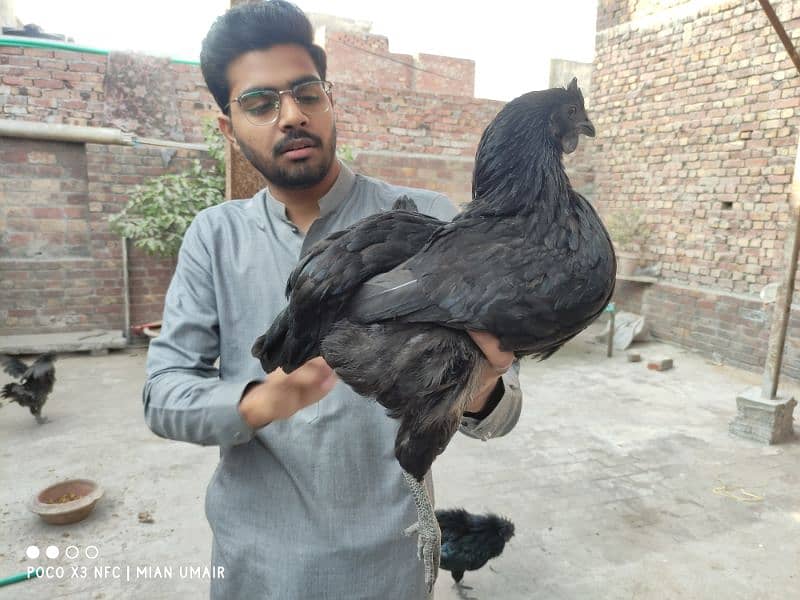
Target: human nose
{"points": [[290, 115]]}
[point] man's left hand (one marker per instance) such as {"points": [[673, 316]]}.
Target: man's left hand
{"points": [[499, 362]]}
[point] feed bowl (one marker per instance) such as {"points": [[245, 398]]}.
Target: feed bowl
{"points": [[67, 502]]}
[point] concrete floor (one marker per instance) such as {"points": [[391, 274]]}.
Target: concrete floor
{"points": [[623, 483]]}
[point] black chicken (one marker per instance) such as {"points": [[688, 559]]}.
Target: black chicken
{"points": [[387, 302], [35, 382], [470, 541]]}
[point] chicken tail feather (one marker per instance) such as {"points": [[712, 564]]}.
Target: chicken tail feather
{"points": [[15, 393]]}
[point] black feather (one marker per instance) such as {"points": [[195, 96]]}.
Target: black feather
{"points": [[469, 541], [35, 382], [388, 302], [13, 366], [323, 283]]}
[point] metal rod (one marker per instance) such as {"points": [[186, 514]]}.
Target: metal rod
{"points": [[126, 291], [143, 141], [783, 303]]}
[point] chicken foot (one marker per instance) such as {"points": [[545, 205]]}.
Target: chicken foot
{"points": [[429, 542]]}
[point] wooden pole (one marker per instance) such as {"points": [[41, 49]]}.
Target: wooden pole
{"points": [[783, 305], [610, 340], [779, 29]]}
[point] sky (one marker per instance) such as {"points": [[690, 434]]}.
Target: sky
{"points": [[511, 42]]}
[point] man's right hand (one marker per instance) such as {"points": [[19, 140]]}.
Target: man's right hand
{"points": [[282, 395]]}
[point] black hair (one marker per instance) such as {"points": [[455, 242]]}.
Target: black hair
{"points": [[255, 26]]}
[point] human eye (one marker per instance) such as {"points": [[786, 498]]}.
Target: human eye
{"points": [[260, 103], [309, 93]]}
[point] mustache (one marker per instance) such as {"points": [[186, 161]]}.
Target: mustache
{"points": [[294, 134]]}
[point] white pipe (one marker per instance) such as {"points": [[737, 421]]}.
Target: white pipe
{"points": [[64, 133], [87, 135]]}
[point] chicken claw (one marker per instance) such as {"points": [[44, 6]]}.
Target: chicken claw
{"points": [[429, 542]]}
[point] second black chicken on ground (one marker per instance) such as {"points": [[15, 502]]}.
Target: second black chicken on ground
{"points": [[35, 382]]}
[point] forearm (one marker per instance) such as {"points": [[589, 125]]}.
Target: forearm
{"points": [[485, 401], [202, 410], [184, 397]]}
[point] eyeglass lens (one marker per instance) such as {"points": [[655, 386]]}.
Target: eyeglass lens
{"points": [[263, 106]]}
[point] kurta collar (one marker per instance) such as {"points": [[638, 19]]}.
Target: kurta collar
{"points": [[328, 204]]}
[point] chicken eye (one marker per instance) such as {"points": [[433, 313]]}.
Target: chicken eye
{"points": [[571, 111]]}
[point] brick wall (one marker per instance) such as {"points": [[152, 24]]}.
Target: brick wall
{"points": [[50, 264], [450, 176], [371, 54], [363, 59], [60, 264], [697, 113], [444, 75], [397, 133], [406, 137]]}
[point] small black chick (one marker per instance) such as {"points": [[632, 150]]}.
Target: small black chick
{"points": [[470, 541], [35, 382]]}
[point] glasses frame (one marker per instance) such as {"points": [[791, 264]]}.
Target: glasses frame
{"points": [[327, 87]]}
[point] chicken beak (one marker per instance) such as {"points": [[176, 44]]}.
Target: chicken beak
{"points": [[586, 128]]}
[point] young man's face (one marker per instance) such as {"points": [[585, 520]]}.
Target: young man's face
{"points": [[297, 150]]}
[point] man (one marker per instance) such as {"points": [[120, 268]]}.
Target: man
{"points": [[308, 500]]}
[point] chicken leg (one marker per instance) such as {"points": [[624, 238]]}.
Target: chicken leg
{"points": [[429, 542]]}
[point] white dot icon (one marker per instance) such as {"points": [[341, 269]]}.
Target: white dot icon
{"points": [[32, 552], [92, 552], [52, 552], [71, 552]]}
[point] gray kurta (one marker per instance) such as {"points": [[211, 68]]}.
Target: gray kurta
{"points": [[313, 506]]}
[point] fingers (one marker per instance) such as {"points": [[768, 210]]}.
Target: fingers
{"points": [[490, 346], [314, 373], [313, 380], [282, 395]]}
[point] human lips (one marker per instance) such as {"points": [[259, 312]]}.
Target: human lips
{"points": [[298, 148]]}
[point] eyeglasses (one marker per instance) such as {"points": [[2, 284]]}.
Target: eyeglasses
{"points": [[262, 107]]}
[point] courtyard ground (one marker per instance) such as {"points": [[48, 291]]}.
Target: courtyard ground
{"points": [[623, 483]]}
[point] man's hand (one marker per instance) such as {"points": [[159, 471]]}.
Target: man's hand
{"points": [[282, 395], [499, 361]]}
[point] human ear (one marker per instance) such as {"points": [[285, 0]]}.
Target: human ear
{"points": [[226, 127]]}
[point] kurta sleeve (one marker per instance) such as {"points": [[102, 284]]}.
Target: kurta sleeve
{"points": [[184, 397]]}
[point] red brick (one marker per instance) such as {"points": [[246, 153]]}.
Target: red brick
{"points": [[83, 67]]}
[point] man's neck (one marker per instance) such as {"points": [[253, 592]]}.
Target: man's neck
{"points": [[302, 206]]}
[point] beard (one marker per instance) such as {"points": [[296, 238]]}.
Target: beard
{"points": [[300, 174]]}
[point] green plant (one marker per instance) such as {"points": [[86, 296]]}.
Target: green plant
{"points": [[627, 228], [160, 210], [345, 153]]}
